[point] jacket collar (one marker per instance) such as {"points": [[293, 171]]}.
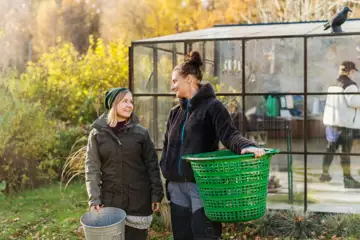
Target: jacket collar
{"points": [[205, 93], [344, 81], [101, 123]]}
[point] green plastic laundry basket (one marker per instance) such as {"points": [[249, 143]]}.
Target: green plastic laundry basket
{"points": [[233, 187]]}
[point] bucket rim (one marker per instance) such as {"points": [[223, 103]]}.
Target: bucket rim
{"points": [[85, 225]]}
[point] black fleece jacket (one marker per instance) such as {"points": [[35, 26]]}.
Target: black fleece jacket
{"points": [[196, 126]]}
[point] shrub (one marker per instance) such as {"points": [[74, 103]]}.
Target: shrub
{"points": [[292, 224], [299, 225], [65, 138], [26, 138], [70, 86]]}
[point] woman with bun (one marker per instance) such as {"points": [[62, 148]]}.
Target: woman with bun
{"points": [[196, 125], [121, 165]]}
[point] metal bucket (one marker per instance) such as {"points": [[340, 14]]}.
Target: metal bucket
{"points": [[106, 224]]}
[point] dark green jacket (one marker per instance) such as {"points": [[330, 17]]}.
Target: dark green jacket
{"points": [[121, 169]]}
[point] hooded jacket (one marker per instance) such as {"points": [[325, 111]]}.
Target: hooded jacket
{"points": [[196, 126], [121, 168]]}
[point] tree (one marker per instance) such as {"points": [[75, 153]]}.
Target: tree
{"points": [[70, 86], [15, 20], [72, 21]]}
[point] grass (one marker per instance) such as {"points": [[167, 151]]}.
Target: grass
{"points": [[51, 213], [44, 213]]}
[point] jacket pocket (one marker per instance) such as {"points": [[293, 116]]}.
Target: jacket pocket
{"points": [[169, 162], [139, 199]]}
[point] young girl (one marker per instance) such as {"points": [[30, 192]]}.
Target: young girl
{"points": [[121, 166]]}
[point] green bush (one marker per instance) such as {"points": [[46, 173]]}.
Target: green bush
{"points": [[69, 86], [44, 111], [27, 137], [65, 139]]}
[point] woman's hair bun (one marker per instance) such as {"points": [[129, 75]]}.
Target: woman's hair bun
{"points": [[194, 58]]}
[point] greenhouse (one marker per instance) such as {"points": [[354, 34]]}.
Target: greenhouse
{"points": [[273, 79]]}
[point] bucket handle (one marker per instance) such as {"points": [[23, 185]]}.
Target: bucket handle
{"points": [[116, 235]]}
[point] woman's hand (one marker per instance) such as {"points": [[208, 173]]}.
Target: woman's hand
{"points": [[96, 207], [257, 151], [155, 206]]}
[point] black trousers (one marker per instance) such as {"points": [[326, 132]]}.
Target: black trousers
{"points": [[193, 226], [345, 140], [135, 234]]}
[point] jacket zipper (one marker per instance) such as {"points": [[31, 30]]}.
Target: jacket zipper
{"points": [[182, 137], [114, 136]]}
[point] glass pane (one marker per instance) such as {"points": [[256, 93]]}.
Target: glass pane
{"points": [[317, 140], [197, 46], [179, 58], [165, 47], [143, 69], [286, 183], [275, 65], [165, 104], [180, 52], [206, 50], [180, 48], [144, 108], [222, 64], [209, 60], [166, 56], [228, 69], [166, 63], [276, 121], [155, 122], [332, 196], [325, 54], [234, 105]]}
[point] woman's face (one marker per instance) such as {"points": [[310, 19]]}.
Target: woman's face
{"points": [[125, 107], [179, 85]]}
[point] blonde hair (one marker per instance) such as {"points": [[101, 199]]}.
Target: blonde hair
{"points": [[343, 71], [112, 117]]}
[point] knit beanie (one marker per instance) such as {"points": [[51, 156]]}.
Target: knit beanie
{"points": [[111, 95]]}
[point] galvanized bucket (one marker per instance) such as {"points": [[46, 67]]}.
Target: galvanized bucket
{"points": [[106, 224]]}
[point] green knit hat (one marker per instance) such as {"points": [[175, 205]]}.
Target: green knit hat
{"points": [[111, 95]]}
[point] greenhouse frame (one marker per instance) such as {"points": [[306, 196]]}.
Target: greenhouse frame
{"points": [[273, 79]]}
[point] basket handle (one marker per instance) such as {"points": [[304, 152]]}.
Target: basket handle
{"points": [[271, 151], [116, 235]]}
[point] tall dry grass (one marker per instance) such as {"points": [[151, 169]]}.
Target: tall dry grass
{"points": [[74, 164]]}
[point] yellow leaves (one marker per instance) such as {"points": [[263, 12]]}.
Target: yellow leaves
{"points": [[24, 179], [65, 83]]}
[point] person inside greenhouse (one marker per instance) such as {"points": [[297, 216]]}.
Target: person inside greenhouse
{"points": [[196, 125], [341, 118], [121, 165]]}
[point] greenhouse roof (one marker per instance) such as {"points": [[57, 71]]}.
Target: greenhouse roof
{"points": [[258, 31]]}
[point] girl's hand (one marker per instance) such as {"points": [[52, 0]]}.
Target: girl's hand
{"points": [[155, 206], [96, 207], [257, 151]]}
